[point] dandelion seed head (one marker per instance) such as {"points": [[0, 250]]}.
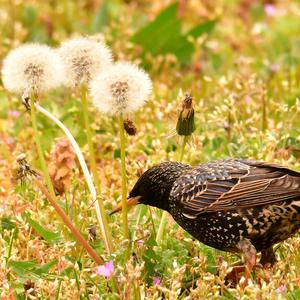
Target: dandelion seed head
{"points": [[32, 67], [83, 58], [123, 88]]}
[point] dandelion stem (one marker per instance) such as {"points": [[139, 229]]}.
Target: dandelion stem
{"points": [[83, 165], [184, 142], [229, 121], [39, 148], [164, 215], [123, 174], [107, 233], [70, 225], [264, 112]]}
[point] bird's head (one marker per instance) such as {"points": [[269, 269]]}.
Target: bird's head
{"points": [[154, 186]]}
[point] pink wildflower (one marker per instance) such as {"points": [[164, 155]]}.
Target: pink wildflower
{"points": [[281, 289], [247, 99], [270, 10], [274, 68], [107, 269], [156, 280], [14, 113]]}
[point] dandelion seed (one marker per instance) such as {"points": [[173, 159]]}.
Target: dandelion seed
{"points": [[107, 269], [83, 59], [32, 67], [123, 88]]}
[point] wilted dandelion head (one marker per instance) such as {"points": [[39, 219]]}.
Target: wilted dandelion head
{"points": [[83, 58], [121, 89], [32, 67]]}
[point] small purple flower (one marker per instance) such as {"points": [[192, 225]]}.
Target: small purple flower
{"points": [[14, 113], [247, 99], [281, 289], [270, 9], [274, 68], [141, 242], [107, 269], [226, 125], [156, 280]]}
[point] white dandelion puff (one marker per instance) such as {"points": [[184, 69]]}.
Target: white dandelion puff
{"points": [[83, 58], [123, 88], [32, 67]]}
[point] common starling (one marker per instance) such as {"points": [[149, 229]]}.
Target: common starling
{"points": [[232, 205]]}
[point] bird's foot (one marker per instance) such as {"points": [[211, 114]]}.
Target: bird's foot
{"points": [[249, 253], [235, 275]]}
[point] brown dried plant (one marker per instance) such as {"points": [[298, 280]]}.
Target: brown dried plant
{"points": [[62, 163]]}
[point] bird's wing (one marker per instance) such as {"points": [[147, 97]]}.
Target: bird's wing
{"points": [[231, 184]]}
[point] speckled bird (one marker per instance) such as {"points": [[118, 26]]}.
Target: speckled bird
{"points": [[233, 205]]}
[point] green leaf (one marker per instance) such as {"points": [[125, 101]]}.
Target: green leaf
{"points": [[30, 269], [101, 18], [29, 16], [21, 267], [49, 236], [44, 269], [206, 27], [155, 37], [151, 241], [294, 294], [163, 35], [6, 223]]}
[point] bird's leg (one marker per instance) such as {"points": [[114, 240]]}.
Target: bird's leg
{"points": [[268, 257], [234, 275], [249, 253]]}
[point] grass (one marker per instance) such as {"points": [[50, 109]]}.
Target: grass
{"points": [[244, 78]]}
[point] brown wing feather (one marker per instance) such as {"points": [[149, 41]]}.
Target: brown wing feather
{"points": [[231, 184]]}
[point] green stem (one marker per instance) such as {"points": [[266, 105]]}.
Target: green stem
{"points": [[136, 292], [164, 216], [108, 237], [161, 227], [152, 221], [229, 121], [10, 250], [114, 286], [184, 142], [138, 220], [123, 174], [39, 148], [264, 112], [67, 203]]}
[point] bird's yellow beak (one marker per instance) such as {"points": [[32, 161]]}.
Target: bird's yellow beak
{"points": [[130, 202]]}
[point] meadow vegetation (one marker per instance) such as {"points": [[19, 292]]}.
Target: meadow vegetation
{"points": [[239, 60]]}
